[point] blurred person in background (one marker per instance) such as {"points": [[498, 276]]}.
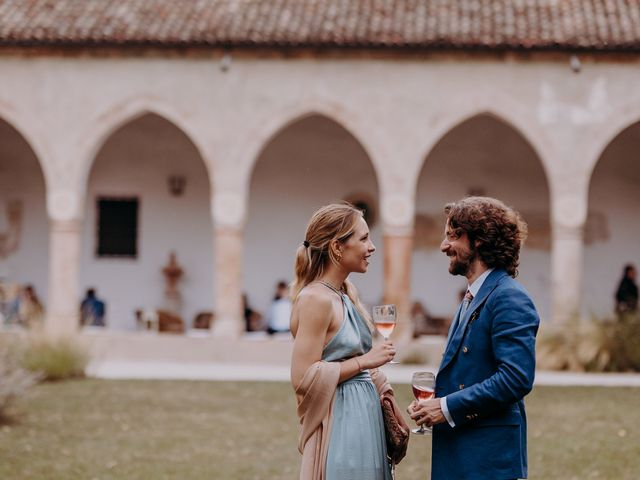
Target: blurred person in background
{"points": [[279, 314], [252, 318], [627, 293], [30, 310], [92, 310]]}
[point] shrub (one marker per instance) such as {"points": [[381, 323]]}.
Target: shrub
{"points": [[599, 345], [55, 359], [14, 380]]}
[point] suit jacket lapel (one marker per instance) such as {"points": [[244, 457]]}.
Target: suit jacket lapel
{"points": [[455, 338], [454, 324]]}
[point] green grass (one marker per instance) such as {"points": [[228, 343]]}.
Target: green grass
{"points": [[97, 429]]}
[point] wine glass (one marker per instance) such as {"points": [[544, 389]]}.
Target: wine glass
{"points": [[384, 318], [423, 385]]}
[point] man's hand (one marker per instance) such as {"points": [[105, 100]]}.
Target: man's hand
{"points": [[427, 412]]}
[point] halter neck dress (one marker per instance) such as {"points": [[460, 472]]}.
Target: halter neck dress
{"points": [[357, 447]]}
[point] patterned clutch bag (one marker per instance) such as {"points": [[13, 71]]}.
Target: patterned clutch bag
{"points": [[396, 429]]}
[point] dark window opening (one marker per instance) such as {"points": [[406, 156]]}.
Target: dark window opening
{"points": [[118, 227]]}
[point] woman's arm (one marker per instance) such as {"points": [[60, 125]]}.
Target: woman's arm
{"points": [[315, 314]]}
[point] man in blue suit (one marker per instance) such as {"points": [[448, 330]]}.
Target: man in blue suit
{"points": [[478, 416]]}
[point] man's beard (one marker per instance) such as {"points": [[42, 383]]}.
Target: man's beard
{"points": [[462, 263]]}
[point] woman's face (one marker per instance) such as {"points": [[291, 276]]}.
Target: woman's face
{"points": [[357, 249]]}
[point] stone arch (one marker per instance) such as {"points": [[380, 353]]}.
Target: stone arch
{"points": [[322, 162], [117, 116], [472, 158], [611, 229], [266, 127], [24, 223], [534, 138], [135, 164], [36, 142], [608, 131]]}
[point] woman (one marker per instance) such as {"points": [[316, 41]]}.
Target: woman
{"points": [[339, 408]]}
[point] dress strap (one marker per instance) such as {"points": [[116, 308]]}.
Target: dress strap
{"points": [[331, 287]]}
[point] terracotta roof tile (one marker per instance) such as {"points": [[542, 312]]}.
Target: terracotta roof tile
{"points": [[423, 24]]}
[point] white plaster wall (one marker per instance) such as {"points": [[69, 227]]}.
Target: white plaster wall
{"points": [[309, 164], [486, 155], [615, 195], [398, 109], [21, 179], [135, 162]]}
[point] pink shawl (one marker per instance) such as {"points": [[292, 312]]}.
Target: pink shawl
{"points": [[315, 409]]}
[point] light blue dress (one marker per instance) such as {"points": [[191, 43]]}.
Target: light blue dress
{"points": [[357, 447]]}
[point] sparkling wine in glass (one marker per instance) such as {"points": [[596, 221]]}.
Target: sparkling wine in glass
{"points": [[423, 385], [384, 318]]}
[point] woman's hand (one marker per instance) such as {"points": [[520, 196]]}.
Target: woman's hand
{"points": [[379, 354]]}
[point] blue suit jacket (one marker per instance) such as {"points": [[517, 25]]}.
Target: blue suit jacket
{"points": [[487, 368]]}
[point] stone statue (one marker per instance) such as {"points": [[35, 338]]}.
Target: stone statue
{"points": [[172, 272]]}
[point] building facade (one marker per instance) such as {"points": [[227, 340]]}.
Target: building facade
{"points": [[259, 138]]}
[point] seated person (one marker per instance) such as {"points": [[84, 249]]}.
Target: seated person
{"points": [[30, 310], [279, 314], [252, 318], [92, 310]]}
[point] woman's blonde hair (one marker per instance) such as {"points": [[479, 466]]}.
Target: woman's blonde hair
{"points": [[332, 222]]}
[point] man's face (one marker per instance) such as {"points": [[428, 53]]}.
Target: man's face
{"points": [[459, 251]]}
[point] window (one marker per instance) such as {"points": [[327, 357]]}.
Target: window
{"points": [[117, 227]]}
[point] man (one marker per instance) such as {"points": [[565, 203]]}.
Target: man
{"points": [[478, 416], [92, 310], [627, 293]]}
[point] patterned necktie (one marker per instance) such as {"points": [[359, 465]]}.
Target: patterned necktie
{"points": [[465, 303]]}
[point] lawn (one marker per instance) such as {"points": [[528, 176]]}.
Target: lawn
{"points": [[98, 429]]}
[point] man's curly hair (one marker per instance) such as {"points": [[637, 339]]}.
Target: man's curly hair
{"points": [[495, 231]]}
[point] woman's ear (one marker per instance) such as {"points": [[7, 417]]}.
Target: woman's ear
{"points": [[336, 248], [333, 245]]}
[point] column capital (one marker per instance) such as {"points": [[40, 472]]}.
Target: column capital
{"points": [[569, 211], [569, 232], [63, 204], [229, 210], [64, 226], [397, 212]]}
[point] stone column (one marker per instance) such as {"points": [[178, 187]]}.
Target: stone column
{"points": [[228, 213], [397, 214], [569, 213], [65, 240]]}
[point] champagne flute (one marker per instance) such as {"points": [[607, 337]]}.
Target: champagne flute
{"points": [[384, 318], [423, 385]]}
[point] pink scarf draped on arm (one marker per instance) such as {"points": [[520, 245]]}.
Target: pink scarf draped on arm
{"points": [[379, 379], [315, 395]]}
